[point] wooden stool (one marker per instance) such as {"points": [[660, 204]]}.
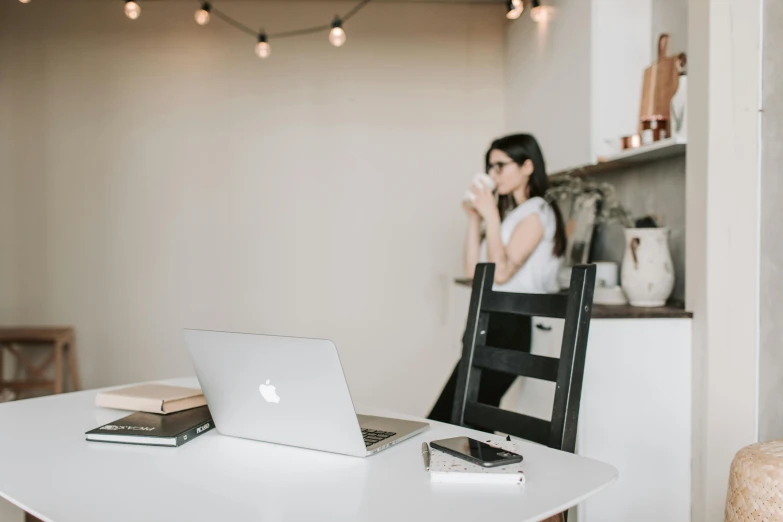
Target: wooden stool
{"points": [[756, 483], [61, 339]]}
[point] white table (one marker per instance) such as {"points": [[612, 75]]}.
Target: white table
{"points": [[50, 471]]}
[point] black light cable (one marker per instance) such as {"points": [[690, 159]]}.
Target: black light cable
{"points": [[234, 23]]}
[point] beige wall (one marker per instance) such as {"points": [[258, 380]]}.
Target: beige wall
{"points": [[670, 17], [164, 177], [548, 82], [575, 80]]}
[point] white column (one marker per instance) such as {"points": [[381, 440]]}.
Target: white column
{"points": [[722, 229]]}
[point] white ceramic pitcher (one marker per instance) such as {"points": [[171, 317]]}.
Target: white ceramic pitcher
{"points": [[647, 271]]}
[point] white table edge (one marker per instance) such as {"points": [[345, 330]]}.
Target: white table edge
{"points": [[179, 381]]}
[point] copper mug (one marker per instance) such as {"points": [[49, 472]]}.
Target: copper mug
{"points": [[630, 142]]}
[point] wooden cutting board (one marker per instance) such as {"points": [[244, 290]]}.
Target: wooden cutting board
{"points": [[660, 84]]}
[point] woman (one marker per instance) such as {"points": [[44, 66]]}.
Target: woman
{"points": [[524, 236]]}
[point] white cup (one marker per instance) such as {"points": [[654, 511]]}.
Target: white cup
{"points": [[479, 180], [606, 274]]}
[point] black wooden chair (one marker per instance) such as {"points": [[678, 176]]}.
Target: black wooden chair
{"points": [[566, 372]]}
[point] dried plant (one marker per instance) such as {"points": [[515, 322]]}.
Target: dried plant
{"points": [[578, 188]]}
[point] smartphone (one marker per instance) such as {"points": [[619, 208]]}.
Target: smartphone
{"points": [[476, 452]]}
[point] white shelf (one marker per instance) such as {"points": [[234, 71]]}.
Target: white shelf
{"points": [[659, 150]]}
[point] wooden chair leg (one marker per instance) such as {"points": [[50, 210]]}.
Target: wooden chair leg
{"points": [[58, 366], [72, 367]]}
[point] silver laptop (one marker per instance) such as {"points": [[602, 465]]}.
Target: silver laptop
{"points": [[288, 391]]}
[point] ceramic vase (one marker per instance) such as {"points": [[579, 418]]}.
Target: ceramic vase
{"points": [[647, 271]]}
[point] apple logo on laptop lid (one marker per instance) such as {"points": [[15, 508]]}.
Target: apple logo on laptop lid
{"points": [[268, 392]]}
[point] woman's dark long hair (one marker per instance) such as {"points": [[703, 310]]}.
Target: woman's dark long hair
{"points": [[520, 148]]}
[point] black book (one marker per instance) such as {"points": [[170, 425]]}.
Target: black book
{"points": [[174, 429]]}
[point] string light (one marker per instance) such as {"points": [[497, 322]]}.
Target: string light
{"points": [[538, 13], [514, 9], [202, 15], [337, 33], [205, 14], [263, 49], [132, 9], [337, 36]]}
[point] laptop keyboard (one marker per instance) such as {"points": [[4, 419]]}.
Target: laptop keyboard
{"points": [[374, 436]]}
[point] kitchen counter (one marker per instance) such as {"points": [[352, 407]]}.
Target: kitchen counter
{"points": [[669, 311], [672, 310]]}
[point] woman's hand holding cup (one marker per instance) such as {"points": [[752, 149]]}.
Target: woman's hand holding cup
{"points": [[479, 200]]}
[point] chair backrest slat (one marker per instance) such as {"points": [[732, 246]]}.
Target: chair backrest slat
{"points": [[516, 424], [544, 305], [567, 371], [517, 363]]}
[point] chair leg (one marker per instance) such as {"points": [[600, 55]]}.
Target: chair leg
{"points": [[58, 366], [2, 375], [74, 370]]}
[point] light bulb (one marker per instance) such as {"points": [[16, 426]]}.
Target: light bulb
{"points": [[263, 49], [202, 15], [337, 34], [538, 13], [25, 1], [514, 9], [132, 9]]}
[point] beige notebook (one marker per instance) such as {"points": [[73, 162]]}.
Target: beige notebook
{"points": [[152, 398]]}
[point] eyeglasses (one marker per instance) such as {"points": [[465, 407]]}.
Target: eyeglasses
{"points": [[498, 165]]}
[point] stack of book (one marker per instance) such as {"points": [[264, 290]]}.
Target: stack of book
{"points": [[165, 415]]}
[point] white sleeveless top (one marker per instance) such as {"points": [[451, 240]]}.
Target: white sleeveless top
{"points": [[539, 273]]}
